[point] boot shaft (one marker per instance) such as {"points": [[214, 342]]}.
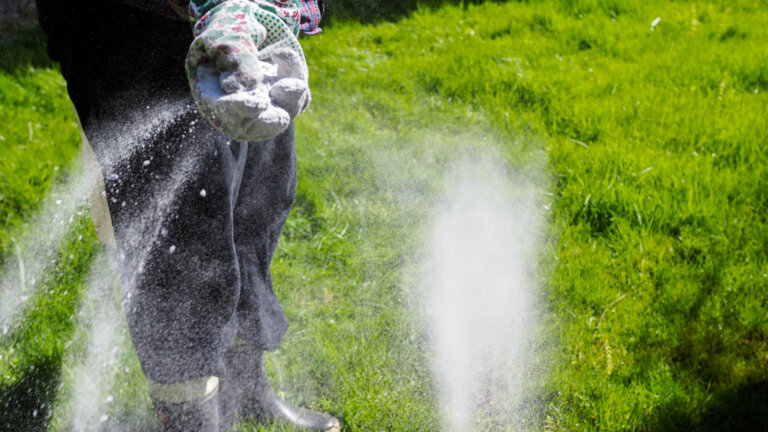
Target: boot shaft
{"points": [[191, 406]]}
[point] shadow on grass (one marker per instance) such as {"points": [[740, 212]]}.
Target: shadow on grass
{"points": [[22, 46], [375, 11], [742, 409], [26, 405]]}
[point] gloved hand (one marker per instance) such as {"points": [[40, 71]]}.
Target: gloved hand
{"points": [[246, 68]]}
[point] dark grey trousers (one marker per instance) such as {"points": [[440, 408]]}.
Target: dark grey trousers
{"points": [[196, 216]]}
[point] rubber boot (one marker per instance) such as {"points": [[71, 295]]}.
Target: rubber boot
{"points": [[246, 393], [192, 406]]}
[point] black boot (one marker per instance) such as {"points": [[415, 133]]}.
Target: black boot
{"points": [[199, 414], [246, 393]]}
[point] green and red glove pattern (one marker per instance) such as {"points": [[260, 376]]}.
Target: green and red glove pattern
{"points": [[245, 67]]}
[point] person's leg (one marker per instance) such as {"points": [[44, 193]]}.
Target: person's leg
{"points": [[168, 181], [264, 201], [170, 186], [124, 72]]}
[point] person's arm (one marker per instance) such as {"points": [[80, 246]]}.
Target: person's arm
{"points": [[245, 66]]}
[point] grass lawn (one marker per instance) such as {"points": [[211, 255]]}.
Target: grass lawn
{"points": [[655, 264]]}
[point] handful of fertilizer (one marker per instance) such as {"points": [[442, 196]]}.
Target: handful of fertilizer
{"points": [[258, 113], [249, 82]]}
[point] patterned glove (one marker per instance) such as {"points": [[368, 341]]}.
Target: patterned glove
{"points": [[245, 66]]}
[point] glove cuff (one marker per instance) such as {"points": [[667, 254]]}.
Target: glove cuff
{"points": [[262, 23], [288, 11]]}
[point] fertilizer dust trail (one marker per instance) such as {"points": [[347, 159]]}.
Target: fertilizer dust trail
{"points": [[479, 296], [99, 384], [102, 388], [33, 251]]}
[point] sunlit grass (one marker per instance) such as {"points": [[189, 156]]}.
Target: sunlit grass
{"points": [[654, 139]]}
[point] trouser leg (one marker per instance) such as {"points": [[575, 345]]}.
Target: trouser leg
{"points": [[264, 202], [195, 240], [170, 191]]}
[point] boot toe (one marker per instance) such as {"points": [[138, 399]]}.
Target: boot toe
{"points": [[308, 420], [335, 426]]}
